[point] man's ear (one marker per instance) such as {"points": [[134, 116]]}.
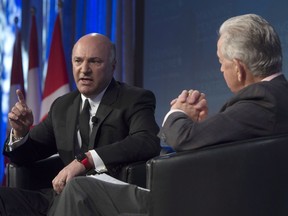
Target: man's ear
{"points": [[240, 70]]}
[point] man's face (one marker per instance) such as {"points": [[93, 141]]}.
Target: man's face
{"points": [[92, 66], [229, 70]]}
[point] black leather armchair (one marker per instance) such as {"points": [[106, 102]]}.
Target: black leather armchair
{"points": [[33, 176], [247, 178], [40, 174]]}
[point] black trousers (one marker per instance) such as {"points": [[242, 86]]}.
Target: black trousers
{"points": [[19, 202], [81, 196]]}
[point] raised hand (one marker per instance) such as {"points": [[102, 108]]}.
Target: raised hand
{"points": [[20, 117]]}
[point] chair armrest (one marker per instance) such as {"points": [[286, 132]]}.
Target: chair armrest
{"points": [[41, 173], [34, 176], [242, 178], [134, 173]]}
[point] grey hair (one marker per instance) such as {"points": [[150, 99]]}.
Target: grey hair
{"points": [[252, 40]]}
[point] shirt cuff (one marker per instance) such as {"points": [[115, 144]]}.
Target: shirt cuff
{"points": [[98, 162], [14, 144], [169, 113]]}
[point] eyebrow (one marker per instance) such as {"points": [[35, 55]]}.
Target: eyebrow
{"points": [[93, 57]]}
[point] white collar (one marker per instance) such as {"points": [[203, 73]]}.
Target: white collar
{"points": [[94, 100], [269, 78]]}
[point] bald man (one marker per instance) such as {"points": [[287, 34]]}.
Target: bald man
{"points": [[121, 129]]}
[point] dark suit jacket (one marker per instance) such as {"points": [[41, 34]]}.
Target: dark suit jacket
{"points": [[125, 132], [257, 110]]}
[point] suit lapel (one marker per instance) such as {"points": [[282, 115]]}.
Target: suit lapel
{"points": [[71, 122], [104, 109]]}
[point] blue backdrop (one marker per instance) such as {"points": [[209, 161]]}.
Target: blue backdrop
{"points": [[180, 45], [86, 16]]}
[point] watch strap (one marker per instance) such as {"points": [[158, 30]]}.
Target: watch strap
{"points": [[82, 158]]}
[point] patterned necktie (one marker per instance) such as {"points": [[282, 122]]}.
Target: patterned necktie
{"points": [[84, 126]]}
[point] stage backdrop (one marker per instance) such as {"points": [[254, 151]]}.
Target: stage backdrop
{"points": [[180, 45]]}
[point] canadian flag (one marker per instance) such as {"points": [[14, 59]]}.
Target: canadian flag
{"points": [[33, 97], [56, 82]]}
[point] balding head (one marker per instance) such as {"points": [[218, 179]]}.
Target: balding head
{"points": [[93, 40], [93, 60]]}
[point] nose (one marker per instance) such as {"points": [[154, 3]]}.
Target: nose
{"points": [[85, 67]]}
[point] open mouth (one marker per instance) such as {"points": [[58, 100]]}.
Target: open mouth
{"points": [[85, 80]]}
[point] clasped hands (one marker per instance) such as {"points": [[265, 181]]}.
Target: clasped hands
{"points": [[193, 103]]}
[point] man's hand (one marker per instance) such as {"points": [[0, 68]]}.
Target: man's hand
{"points": [[20, 117], [193, 103], [73, 169]]}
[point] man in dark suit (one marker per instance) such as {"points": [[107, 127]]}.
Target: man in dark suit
{"points": [[249, 51], [250, 54], [120, 122]]}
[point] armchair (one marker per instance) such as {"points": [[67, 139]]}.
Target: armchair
{"points": [[245, 178], [41, 173], [33, 176]]}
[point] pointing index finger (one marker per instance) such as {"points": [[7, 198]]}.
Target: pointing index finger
{"points": [[20, 96]]}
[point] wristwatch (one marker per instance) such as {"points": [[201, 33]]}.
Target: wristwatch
{"points": [[82, 158]]}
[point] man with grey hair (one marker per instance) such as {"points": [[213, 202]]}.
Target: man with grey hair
{"points": [[250, 55]]}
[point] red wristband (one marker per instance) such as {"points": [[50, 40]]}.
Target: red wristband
{"points": [[86, 163]]}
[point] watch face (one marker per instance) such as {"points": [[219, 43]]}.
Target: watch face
{"points": [[81, 157]]}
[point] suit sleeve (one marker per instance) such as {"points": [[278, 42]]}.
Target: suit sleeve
{"points": [[243, 119]]}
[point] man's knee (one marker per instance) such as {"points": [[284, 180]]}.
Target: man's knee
{"points": [[73, 184]]}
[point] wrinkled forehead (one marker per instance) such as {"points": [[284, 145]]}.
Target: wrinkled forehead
{"points": [[92, 47]]}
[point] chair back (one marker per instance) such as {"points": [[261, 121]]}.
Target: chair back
{"points": [[245, 178]]}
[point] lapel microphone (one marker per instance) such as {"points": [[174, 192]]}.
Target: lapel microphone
{"points": [[94, 120]]}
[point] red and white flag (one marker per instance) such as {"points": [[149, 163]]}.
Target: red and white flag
{"points": [[16, 79], [56, 82], [16, 82], [33, 97]]}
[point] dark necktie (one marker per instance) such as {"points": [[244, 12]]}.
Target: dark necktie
{"points": [[84, 126]]}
